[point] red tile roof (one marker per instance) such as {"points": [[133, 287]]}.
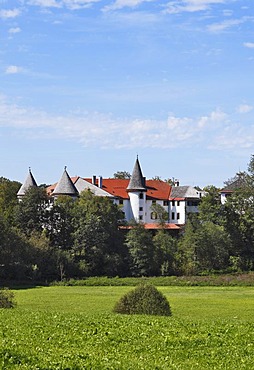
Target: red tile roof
{"points": [[154, 227], [156, 189]]}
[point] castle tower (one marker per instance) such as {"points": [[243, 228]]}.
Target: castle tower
{"points": [[65, 186], [29, 182], [137, 193]]}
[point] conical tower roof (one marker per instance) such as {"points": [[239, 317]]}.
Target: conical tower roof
{"points": [[29, 182], [137, 181], [65, 186]]}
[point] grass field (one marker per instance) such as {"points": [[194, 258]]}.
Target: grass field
{"points": [[74, 328]]}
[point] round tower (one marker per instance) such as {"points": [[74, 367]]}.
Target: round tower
{"points": [[137, 193]]}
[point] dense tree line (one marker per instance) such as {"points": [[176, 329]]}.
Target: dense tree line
{"points": [[40, 240]]}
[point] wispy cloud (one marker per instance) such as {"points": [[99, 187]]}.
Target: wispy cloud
{"points": [[249, 45], [214, 130], [69, 4], [174, 7], [14, 30], [13, 70], [244, 108], [228, 23], [119, 4], [9, 13]]}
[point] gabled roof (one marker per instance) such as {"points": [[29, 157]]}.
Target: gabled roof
{"points": [[65, 186], [183, 192], [85, 184], [137, 181], [239, 183], [29, 182]]}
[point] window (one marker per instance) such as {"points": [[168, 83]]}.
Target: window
{"points": [[140, 209], [173, 203], [165, 202], [154, 216], [153, 201], [178, 216], [140, 217], [178, 203], [173, 215], [141, 196], [120, 201]]}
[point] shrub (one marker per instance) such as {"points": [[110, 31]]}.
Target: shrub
{"points": [[6, 298], [145, 299]]}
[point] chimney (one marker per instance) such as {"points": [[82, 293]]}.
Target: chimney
{"points": [[100, 182], [94, 180]]}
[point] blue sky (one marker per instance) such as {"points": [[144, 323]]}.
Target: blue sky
{"points": [[89, 84]]}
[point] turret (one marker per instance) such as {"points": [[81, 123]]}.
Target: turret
{"points": [[65, 186], [29, 182], [137, 193]]}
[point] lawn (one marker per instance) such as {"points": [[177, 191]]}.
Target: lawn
{"points": [[74, 328]]}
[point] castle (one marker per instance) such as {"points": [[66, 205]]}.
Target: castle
{"points": [[139, 198]]}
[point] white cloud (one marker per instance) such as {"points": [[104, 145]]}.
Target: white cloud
{"points": [[174, 7], [244, 108], [9, 13], [14, 30], [13, 70], [70, 4], [45, 3], [119, 4], [218, 27], [215, 130], [249, 45]]}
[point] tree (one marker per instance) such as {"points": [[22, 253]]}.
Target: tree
{"points": [[60, 225], [213, 247], [204, 246], [31, 213], [239, 222], [15, 252], [122, 175], [140, 245], [98, 243], [210, 208], [165, 247], [239, 218], [187, 248], [160, 213], [8, 198]]}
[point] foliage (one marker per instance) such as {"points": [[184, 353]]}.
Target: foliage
{"points": [[160, 212], [210, 205], [122, 175], [165, 247], [7, 298], [8, 198], [60, 225], [144, 300], [98, 242], [140, 245], [210, 279], [31, 212]]}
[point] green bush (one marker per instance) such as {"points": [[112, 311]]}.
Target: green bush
{"points": [[6, 298], [145, 299]]}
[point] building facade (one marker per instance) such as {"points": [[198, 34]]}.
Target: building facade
{"points": [[139, 199]]}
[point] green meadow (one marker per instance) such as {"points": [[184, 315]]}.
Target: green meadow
{"points": [[73, 327]]}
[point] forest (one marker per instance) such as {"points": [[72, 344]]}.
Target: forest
{"points": [[41, 241]]}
